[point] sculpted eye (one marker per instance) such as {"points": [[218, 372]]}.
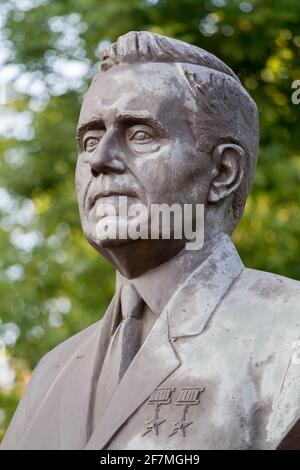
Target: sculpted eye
{"points": [[141, 136], [142, 139], [91, 143]]}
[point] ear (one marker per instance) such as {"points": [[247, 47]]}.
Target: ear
{"points": [[230, 167]]}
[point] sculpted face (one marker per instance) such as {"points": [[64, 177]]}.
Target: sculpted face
{"points": [[135, 140]]}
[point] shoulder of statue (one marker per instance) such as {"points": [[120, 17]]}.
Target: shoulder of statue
{"points": [[270, 287], [58, 356]]}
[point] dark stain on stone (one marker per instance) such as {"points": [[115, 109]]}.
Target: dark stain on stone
{"points": [[268, 288], [270, 359], [261, 410]]}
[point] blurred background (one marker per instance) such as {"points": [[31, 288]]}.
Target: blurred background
{"points": [[52, 284]]}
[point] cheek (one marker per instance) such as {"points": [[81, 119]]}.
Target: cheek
{"points": [[154, 176], [82, 177], [197, 177], [176, 173]]}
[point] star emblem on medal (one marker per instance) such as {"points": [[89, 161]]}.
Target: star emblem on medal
{"points": [[188, 396]]}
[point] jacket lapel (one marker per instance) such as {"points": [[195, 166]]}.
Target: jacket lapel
{"points": [[64, 413], [193, 305], [155, 361], [76, 418]]}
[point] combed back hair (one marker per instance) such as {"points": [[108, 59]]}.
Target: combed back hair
{"points": [[145, 47], [225, 112]]}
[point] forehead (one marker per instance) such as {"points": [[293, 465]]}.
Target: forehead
{"points": [[155, 88]]}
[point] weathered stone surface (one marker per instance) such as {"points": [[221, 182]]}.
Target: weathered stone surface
{"points": [[167, 122]]}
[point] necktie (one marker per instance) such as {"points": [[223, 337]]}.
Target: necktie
{"points": [[130, 334], [124, 345]]}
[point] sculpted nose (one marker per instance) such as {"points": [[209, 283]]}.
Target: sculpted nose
{"points": [[107, 157]]}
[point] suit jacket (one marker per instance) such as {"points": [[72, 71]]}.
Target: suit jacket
{"points": [[217, 371]]}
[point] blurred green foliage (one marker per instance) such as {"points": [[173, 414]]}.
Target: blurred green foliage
{"points": [[52, 284]]}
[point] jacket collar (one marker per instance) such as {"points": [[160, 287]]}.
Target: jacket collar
{"points": [[158, 286], [194, 303]]}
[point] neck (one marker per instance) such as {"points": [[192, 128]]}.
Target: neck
{"points": [[138, 257]]}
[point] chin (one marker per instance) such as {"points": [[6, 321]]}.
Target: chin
{"points": [[110, 243], [103, 243]]}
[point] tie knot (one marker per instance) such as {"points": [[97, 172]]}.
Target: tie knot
{"points": [[132, 304]]}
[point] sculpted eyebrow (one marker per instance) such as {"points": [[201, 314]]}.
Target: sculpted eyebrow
{"points": [[142, 117], [88, 126]]}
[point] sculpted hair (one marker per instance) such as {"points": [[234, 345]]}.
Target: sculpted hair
{"points": [[225, 111]]}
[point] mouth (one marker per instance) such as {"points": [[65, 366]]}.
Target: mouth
{"points": [[102, 195]]}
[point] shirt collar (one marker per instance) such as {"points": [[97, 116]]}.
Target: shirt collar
{"points": [[158, 286]]}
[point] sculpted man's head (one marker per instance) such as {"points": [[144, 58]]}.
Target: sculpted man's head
{"points": [[163, 122]]}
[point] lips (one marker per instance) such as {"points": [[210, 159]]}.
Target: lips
{"points": [[91, 201]]}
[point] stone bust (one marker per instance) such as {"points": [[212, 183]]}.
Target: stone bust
{"points": [[195, 351]]}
